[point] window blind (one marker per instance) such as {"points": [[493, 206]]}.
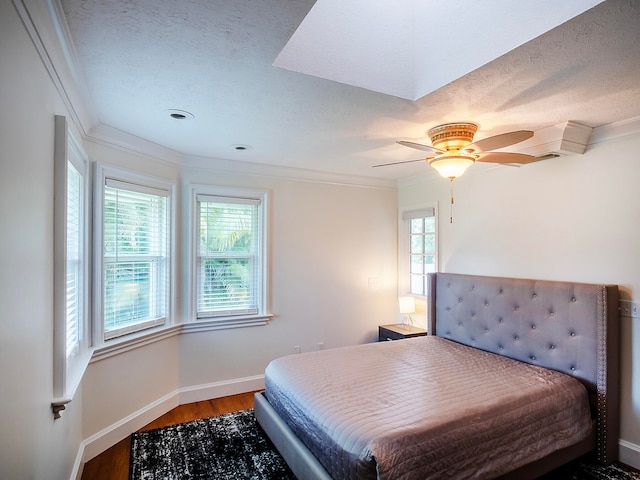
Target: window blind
{"points": [[421, 213], [228, 256], [135, 257], [74, 279]]}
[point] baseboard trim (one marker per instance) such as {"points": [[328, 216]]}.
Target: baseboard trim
{"points": [[109, 436], [78, 465], [221, 389], [629, 454]]}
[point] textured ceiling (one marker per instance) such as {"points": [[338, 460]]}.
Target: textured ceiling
{"points": [[214, 58]]}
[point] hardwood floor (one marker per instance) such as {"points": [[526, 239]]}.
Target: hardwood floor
{"points": [[113, 464]]}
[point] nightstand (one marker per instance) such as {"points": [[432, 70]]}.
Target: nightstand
{"points": [[398, 331]]}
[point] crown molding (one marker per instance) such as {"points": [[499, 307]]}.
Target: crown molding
{"points": [[292, 173], [616, 130], [46, 25], [112, 137]]}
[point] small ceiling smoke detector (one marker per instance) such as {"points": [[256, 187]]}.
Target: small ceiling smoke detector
{"points": [[180, 114]]}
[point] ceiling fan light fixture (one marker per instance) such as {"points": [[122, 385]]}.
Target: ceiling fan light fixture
{"points": [[454, 150], [452, 166]]}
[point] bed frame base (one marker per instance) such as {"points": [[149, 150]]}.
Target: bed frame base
{"points": [[301, 461], [552, 461], [306, 467]]}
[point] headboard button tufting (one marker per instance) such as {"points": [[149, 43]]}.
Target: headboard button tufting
{"points": [[518, 307]]}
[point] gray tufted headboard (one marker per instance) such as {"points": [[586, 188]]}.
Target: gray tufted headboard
{"points": [[570, 327]]}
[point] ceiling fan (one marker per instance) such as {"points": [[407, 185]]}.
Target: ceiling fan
{"points": [[453, 152]]}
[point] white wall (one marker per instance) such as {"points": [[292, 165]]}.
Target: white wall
{"points": [[32, 444], [117, 387], [571, 218]]}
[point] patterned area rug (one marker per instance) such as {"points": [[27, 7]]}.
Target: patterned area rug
{"points": [[234, 447], [226, 447], [586, 469]]}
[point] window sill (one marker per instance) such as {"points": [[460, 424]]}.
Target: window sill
{"points": [[130, 342], [223, 323], [75, 370]]}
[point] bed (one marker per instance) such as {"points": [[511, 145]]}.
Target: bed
{"points": [[515, 378]]}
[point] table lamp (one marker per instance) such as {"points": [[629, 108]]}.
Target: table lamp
{"points": [[407, 306]]}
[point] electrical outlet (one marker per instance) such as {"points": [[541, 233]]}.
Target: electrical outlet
{"points": [[629, 309], [320, 345], [296, 349]]}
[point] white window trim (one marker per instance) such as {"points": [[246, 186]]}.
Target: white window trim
{"points": [[123, 342], [194, 324], [68, 371], [404, 247]]}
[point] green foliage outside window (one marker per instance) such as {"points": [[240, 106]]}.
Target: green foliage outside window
{"points": [[228, 270]]}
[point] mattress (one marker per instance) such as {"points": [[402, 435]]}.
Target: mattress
{"points": [[425, 407]]}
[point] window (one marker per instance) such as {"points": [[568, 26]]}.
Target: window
{"points": [[229, 261], [71, 266], [75, 294], [134, 249], [419, 256]]}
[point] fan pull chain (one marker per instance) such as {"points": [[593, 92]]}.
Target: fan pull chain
{"points": [[451, 205]]}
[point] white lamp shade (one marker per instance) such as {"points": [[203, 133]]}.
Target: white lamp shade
{"points": [[407, 304], [452, 166]]}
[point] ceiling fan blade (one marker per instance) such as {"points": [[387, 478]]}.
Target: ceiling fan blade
{"points": [[499, 141], [398, 163], [419, 146], [506, 157]]}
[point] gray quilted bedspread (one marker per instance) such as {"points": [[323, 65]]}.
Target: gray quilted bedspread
{"points": [[425, 408]]}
